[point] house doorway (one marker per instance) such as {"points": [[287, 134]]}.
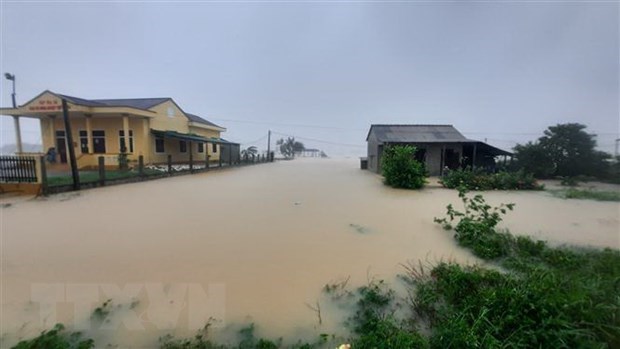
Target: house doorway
{"points": [[61, 146], [452, 160]]}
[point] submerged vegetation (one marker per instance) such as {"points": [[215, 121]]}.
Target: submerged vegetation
{"points": [[478, 179], [400, 169], [57, 338], [587, 194], [536, 296]]}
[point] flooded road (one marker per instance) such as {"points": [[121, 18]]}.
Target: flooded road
{"points": [[261, 241]]}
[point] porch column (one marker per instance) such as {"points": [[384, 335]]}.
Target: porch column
{"points": [[52, 131], [146, 140], [89, 134], [126, 133], [18, 134], [473, 162], [442, 160]]}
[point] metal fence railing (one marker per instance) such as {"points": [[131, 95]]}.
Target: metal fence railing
{"points": [[18, 169]]}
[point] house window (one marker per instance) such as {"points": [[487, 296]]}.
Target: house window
{"points": [[201, 147], [214, 148], [159, 145], [98, 141], [84, 142], [121, 141], [183, 146]]}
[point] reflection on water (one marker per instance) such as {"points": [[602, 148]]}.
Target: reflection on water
{"points": [[271, 235]]}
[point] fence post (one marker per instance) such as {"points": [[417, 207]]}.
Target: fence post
{"points": [[169, 164], [220, 156], [191, 158], [101, 170], [141, 165], [43, 173], [207, 162], [230, 155]]}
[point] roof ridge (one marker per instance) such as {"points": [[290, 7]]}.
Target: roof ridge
{"points": [[126, 99], [412, 124]]}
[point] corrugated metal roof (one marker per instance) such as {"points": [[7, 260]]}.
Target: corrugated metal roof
{"points": [[81, 101], [139, 103], [198, 119], [416, 133], [189, 137]]}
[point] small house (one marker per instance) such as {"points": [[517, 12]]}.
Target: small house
{"points": [[439, 147]]}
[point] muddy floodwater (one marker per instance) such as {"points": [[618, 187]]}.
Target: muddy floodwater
{"points": [[251, 244]]}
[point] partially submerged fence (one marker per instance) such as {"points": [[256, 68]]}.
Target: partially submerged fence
{"points": [[104, 175], [18, 169]]}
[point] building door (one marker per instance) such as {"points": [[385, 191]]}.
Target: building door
{"points": [[99, 142], [61, 146]]}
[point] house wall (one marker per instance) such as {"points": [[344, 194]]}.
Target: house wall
{"points": [[433, 159], [110, 125], [143, 140], [162, 121], [373, 154]]}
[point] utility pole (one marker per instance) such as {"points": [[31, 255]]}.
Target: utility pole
{"points": [[269, 145], [69, 135], [18, 133], [616, 152]]}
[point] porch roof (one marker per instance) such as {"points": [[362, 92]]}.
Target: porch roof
{"points": [[189, 137]]}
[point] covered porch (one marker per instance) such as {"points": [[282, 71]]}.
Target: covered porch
{"points": [[186, 148], [90, 130]]}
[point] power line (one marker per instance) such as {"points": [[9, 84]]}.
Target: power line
{"points": [[291, 125], [320, 140], [255, 141]]}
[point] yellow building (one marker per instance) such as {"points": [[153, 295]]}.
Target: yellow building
{"points": [[151, 127]]}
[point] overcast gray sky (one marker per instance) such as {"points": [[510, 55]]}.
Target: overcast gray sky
{"points": [[326, 71]]}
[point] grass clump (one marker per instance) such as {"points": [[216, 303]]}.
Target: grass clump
{"points": [[478, 179], [93, 176], [56, 338], [587, 194], [400, 169], [375, 323], [546, 298]]}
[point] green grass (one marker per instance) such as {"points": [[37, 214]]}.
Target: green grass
{"points": [[93, 176], [587, 194]]}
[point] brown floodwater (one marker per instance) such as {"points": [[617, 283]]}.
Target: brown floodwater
{"points": [[260, 241]]}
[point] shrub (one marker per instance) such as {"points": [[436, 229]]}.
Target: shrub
{"points": [[476, 226], [56, 338], [400, 169], [478, 179]]}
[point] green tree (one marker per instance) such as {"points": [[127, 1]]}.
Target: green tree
{"points": [[288, 146], [534, 159], [400, 169], [565, 150], [249, 152]]}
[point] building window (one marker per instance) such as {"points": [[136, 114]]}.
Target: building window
{"points": [[201, 147], [99, 142], [183, 146], [214, 148], [159, 145], [84, 142], [121, 141]]}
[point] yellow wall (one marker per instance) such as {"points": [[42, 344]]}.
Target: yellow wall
{"points": [[161, 121], [143, 140]]}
